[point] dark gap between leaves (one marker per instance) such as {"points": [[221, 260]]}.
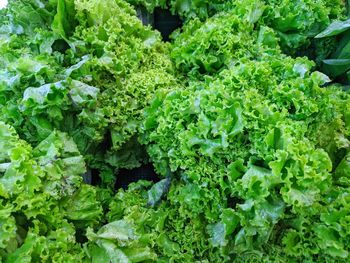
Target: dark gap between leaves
{"points": [[165, 22], [80, 237], [95, 177], [161, 19], [60, 45], [128, 176]]}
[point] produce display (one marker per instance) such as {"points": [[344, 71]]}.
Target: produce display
{"points": [[244, 115]]}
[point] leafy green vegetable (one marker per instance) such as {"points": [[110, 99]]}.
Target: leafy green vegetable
{"points": [[157, 191], [335, 28], [187, 9], [42, 198], [337, 65], [259, 112], [294, 22], [89, 85], [251, 146]]}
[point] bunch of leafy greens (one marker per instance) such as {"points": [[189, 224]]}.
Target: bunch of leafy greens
{"points": [[251, 147], [296, 22], [44, 203], [254, 145], [91, 81], [258, 151]]}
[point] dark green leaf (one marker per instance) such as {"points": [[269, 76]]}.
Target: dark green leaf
{"points": [[336, 67], [335, 28], [158, 190]]}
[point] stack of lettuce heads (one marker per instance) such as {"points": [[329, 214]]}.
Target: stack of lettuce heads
{"points": [[250, 143]]}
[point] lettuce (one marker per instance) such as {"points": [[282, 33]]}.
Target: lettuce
{"points": [[296, 23], [252, 139], [92, 86], [43, 198], [251, 145]]}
